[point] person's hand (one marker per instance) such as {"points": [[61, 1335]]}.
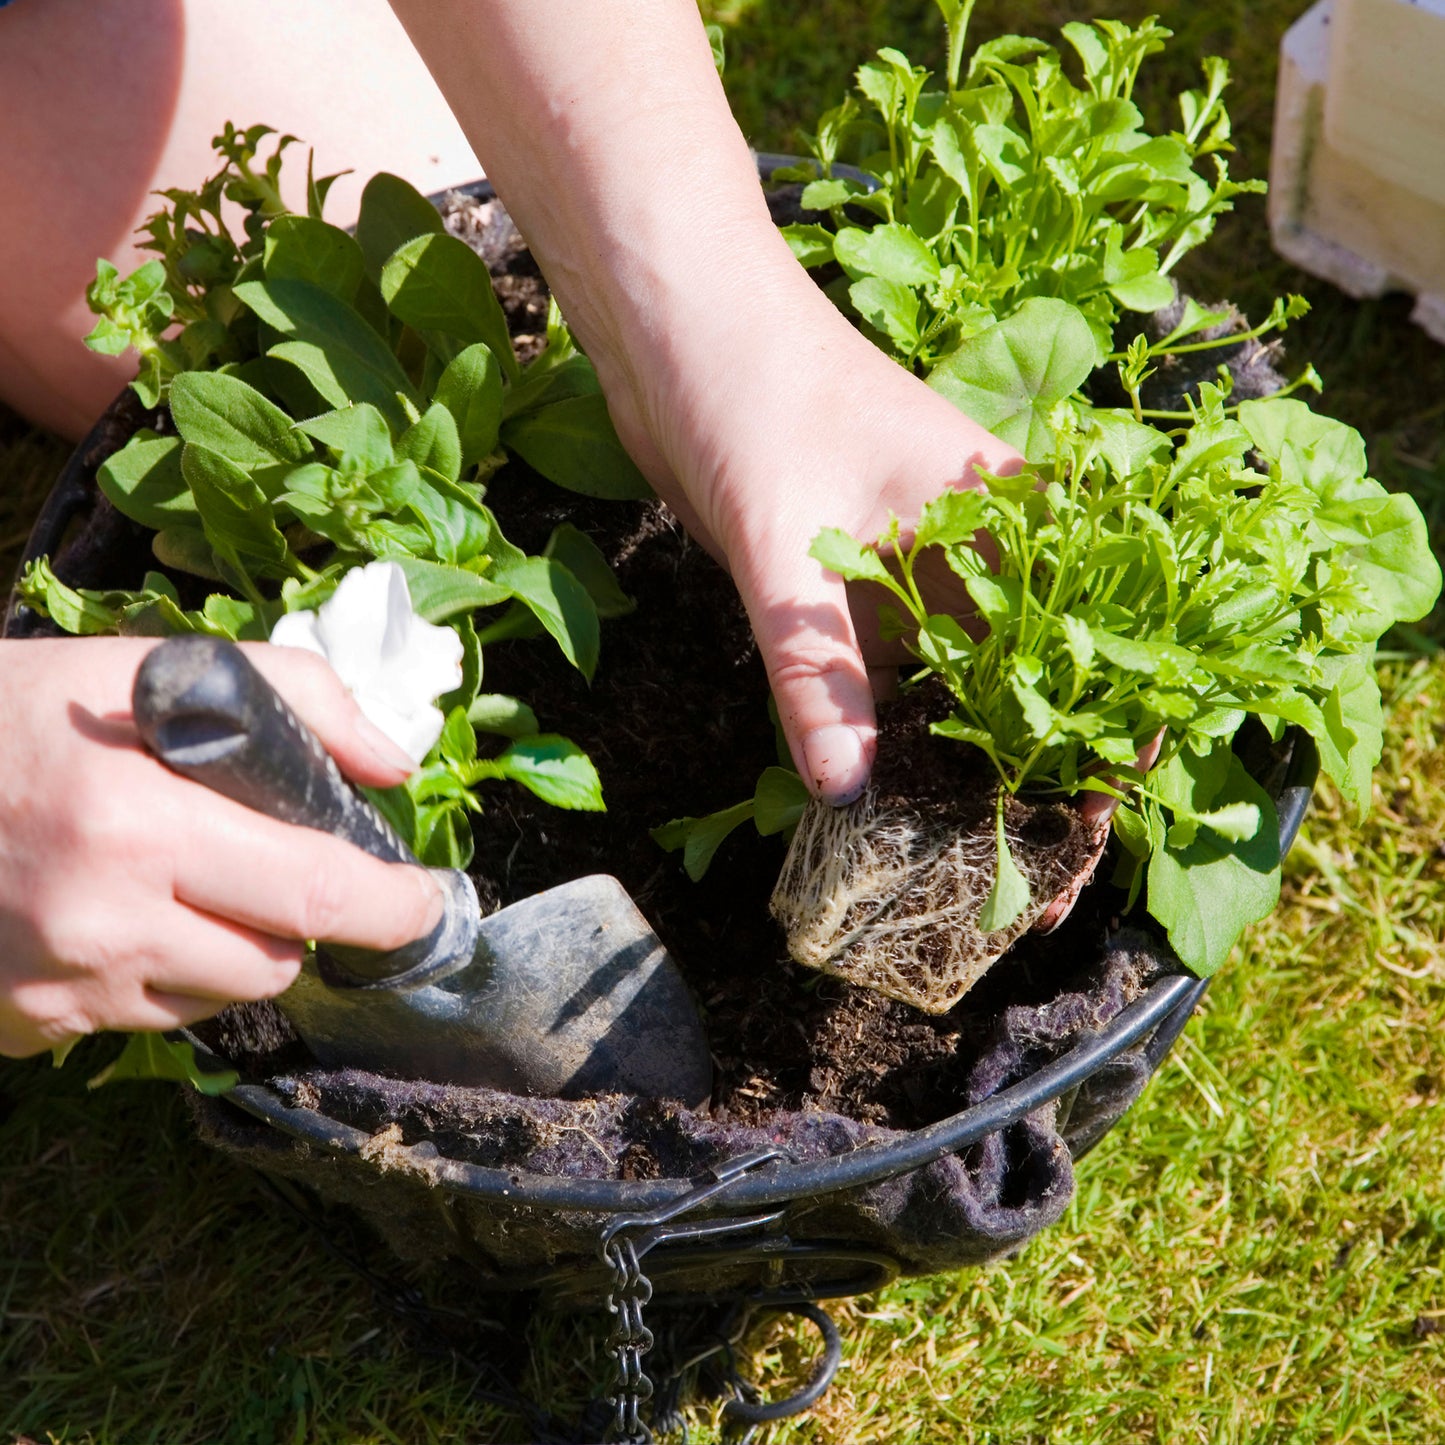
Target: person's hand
{"points": [[131, 898], [765, 435], [752, 405]]}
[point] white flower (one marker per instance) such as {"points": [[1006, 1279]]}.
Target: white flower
{"points": [[395, 663]]}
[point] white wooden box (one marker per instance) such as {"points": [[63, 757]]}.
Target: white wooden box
{"points": [[1357, 178]]}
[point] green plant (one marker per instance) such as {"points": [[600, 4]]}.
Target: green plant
{"points": [[360, 392], [1011, 182], [1150, 583]]}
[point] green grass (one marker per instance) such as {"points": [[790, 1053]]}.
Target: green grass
{"points": [[1255, 1254]]}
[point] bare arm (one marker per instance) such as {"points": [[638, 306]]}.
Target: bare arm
{"points": [[757, 411]]}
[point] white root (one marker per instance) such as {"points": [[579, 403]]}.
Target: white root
{"points": [[889, 900]]}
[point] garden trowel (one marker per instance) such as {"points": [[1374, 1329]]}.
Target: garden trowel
{"points": [[566, 994]]}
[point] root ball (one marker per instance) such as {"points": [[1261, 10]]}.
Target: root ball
{"points": [[887, 895]]}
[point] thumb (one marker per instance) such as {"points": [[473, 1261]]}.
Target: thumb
{"points": [[801, 620]]}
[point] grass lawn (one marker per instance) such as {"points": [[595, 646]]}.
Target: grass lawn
{"points": [[1257, 1254]]}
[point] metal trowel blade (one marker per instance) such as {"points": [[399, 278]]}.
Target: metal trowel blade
{"points": [[569, 994]]}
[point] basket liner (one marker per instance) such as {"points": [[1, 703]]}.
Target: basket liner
{"points": [[959, 1210]]}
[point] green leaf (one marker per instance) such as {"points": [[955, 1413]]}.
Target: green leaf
{"points": [[154, 1056], [999, 599], [458, 740], [439, 592], [359, 431], [891, 252], [1205, 894], [80, 613], [557, 600], [1386, 541], [143, 481], [944, 645], [574, 444], [890, 307], [954, 517], [393, 212], [1353, 738], [234, 511], [338, 352], [851, 560], [299, 248], [556, 770], [542, 386], [779, 800], [1010, 893], [810, 245], [185, 549], [1164, 660], [470, 388], [226, 416], [1010, 377], [700, 838], [239, 620], [433, 442], [1311, 450], [438, 283], [495, 712], [582, 557]]}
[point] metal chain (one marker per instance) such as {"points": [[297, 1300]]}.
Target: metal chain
{"points": [[628, 1341], [623, 1243]]}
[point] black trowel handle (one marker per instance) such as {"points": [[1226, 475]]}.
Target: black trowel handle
{"points": [[207, 714]]}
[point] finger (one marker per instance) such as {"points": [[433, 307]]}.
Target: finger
{"points": [[320, 699], [801, 620], [219, 960], [296, 882]]}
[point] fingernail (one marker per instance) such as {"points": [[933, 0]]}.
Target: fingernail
{"points": [[385, 750], [837, 763]]}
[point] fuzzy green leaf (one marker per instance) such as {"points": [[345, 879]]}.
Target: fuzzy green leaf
{"points": [[1010, 893], [574, 444], [470, 388], [225, 415], [439, 592], [143, 481], [495, 712], [299, 248], [582, 557], [557, 600], [234, 511], [433, 442], [156, 1056], [393, 212], [359, 431], [438, 283], [337, 351]]}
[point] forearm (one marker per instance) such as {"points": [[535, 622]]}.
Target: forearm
{"points": [[604, 127]]}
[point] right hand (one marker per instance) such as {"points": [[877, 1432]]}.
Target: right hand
{"points": [[132, 898]]}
